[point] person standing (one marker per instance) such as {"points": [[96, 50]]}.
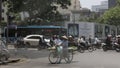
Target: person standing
{"points": [[71, 41], [64, 45], [90, 39], [82, 41], [97, 42], [108, 40], [118, 39], [57, 40]]}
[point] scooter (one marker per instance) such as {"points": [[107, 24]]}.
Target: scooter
{"points": [[45, 44], [106, 47], [80, 49], [117, 47], [87, 46]]}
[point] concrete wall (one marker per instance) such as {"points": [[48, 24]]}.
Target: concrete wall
{"points": [[85, 28], [92, 29]]}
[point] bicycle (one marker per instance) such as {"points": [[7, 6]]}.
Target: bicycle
{"points": [[56, 55], [4, 52]]}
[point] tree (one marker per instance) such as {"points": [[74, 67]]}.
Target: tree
{"points": [[90, 17], [42, 11], [112, 16]]}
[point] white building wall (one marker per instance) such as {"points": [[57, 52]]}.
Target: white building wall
{"points": [[94, 29], [86, 29]]}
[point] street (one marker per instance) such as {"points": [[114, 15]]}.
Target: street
{"points": [[32, 58]]}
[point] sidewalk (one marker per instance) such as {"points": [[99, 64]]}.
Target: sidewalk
{"points": [[16, 53]]}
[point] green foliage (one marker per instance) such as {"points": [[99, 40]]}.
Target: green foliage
{"points": [[112, 16], [118, 2], [3, 23], [39, 10], [92, 17], [14, 5]]}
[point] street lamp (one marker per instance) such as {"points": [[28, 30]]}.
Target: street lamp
{"points": [[74, 24]]}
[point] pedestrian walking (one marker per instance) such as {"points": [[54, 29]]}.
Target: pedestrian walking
{"points": [[64, 45]]}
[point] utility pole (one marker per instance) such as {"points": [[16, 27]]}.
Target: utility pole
{"points": [[0, 11], [0, 16]]}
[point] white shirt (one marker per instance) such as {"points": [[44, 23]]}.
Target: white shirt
{"points": [[82, 40], [57, 42], [96, 40]]}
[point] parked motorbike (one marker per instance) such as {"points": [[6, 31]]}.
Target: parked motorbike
{"points": [[80, 49], [106, 47], [87, 46], [45, 44], [94, 47], [97, 45], [117, 47]]}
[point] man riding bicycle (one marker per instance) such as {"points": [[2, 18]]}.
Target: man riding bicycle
{"points": [[61, 52], [64, 45]]}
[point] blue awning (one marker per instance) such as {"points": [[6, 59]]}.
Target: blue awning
{"points": [[40, 27]]}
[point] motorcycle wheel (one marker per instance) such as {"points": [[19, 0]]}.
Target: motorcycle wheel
{"points": [[81, 50], [104, 48], [90, 49], [117, 49], [94, 48]]}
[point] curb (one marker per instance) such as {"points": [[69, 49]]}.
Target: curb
{"points": [[10, 61]]}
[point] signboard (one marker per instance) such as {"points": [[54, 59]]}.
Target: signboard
{"points": [[98, 30], [113, 31], [118, 30], [86, 29], [73, 29], [107, 30]]}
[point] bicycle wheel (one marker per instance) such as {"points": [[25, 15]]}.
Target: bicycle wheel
{"points": [[69, 57], [53, 57]]}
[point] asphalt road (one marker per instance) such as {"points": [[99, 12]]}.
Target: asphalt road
{"points": [[32, 58]]}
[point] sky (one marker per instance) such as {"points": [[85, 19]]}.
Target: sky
{"points": [[89, 3]]}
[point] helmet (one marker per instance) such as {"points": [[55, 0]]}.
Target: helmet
{"points": [[70, 36]]}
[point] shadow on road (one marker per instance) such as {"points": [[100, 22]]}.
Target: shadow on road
{"points": [[28, 53]]}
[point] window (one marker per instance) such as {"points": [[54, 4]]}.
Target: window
{"points": [[34, 37]]}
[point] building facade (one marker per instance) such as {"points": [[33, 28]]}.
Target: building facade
{"points": [[100, 8], [91, 29], [112, 3], [73, 11]]}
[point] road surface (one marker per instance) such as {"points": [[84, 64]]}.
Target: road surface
{"points": [[32, 58]]}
